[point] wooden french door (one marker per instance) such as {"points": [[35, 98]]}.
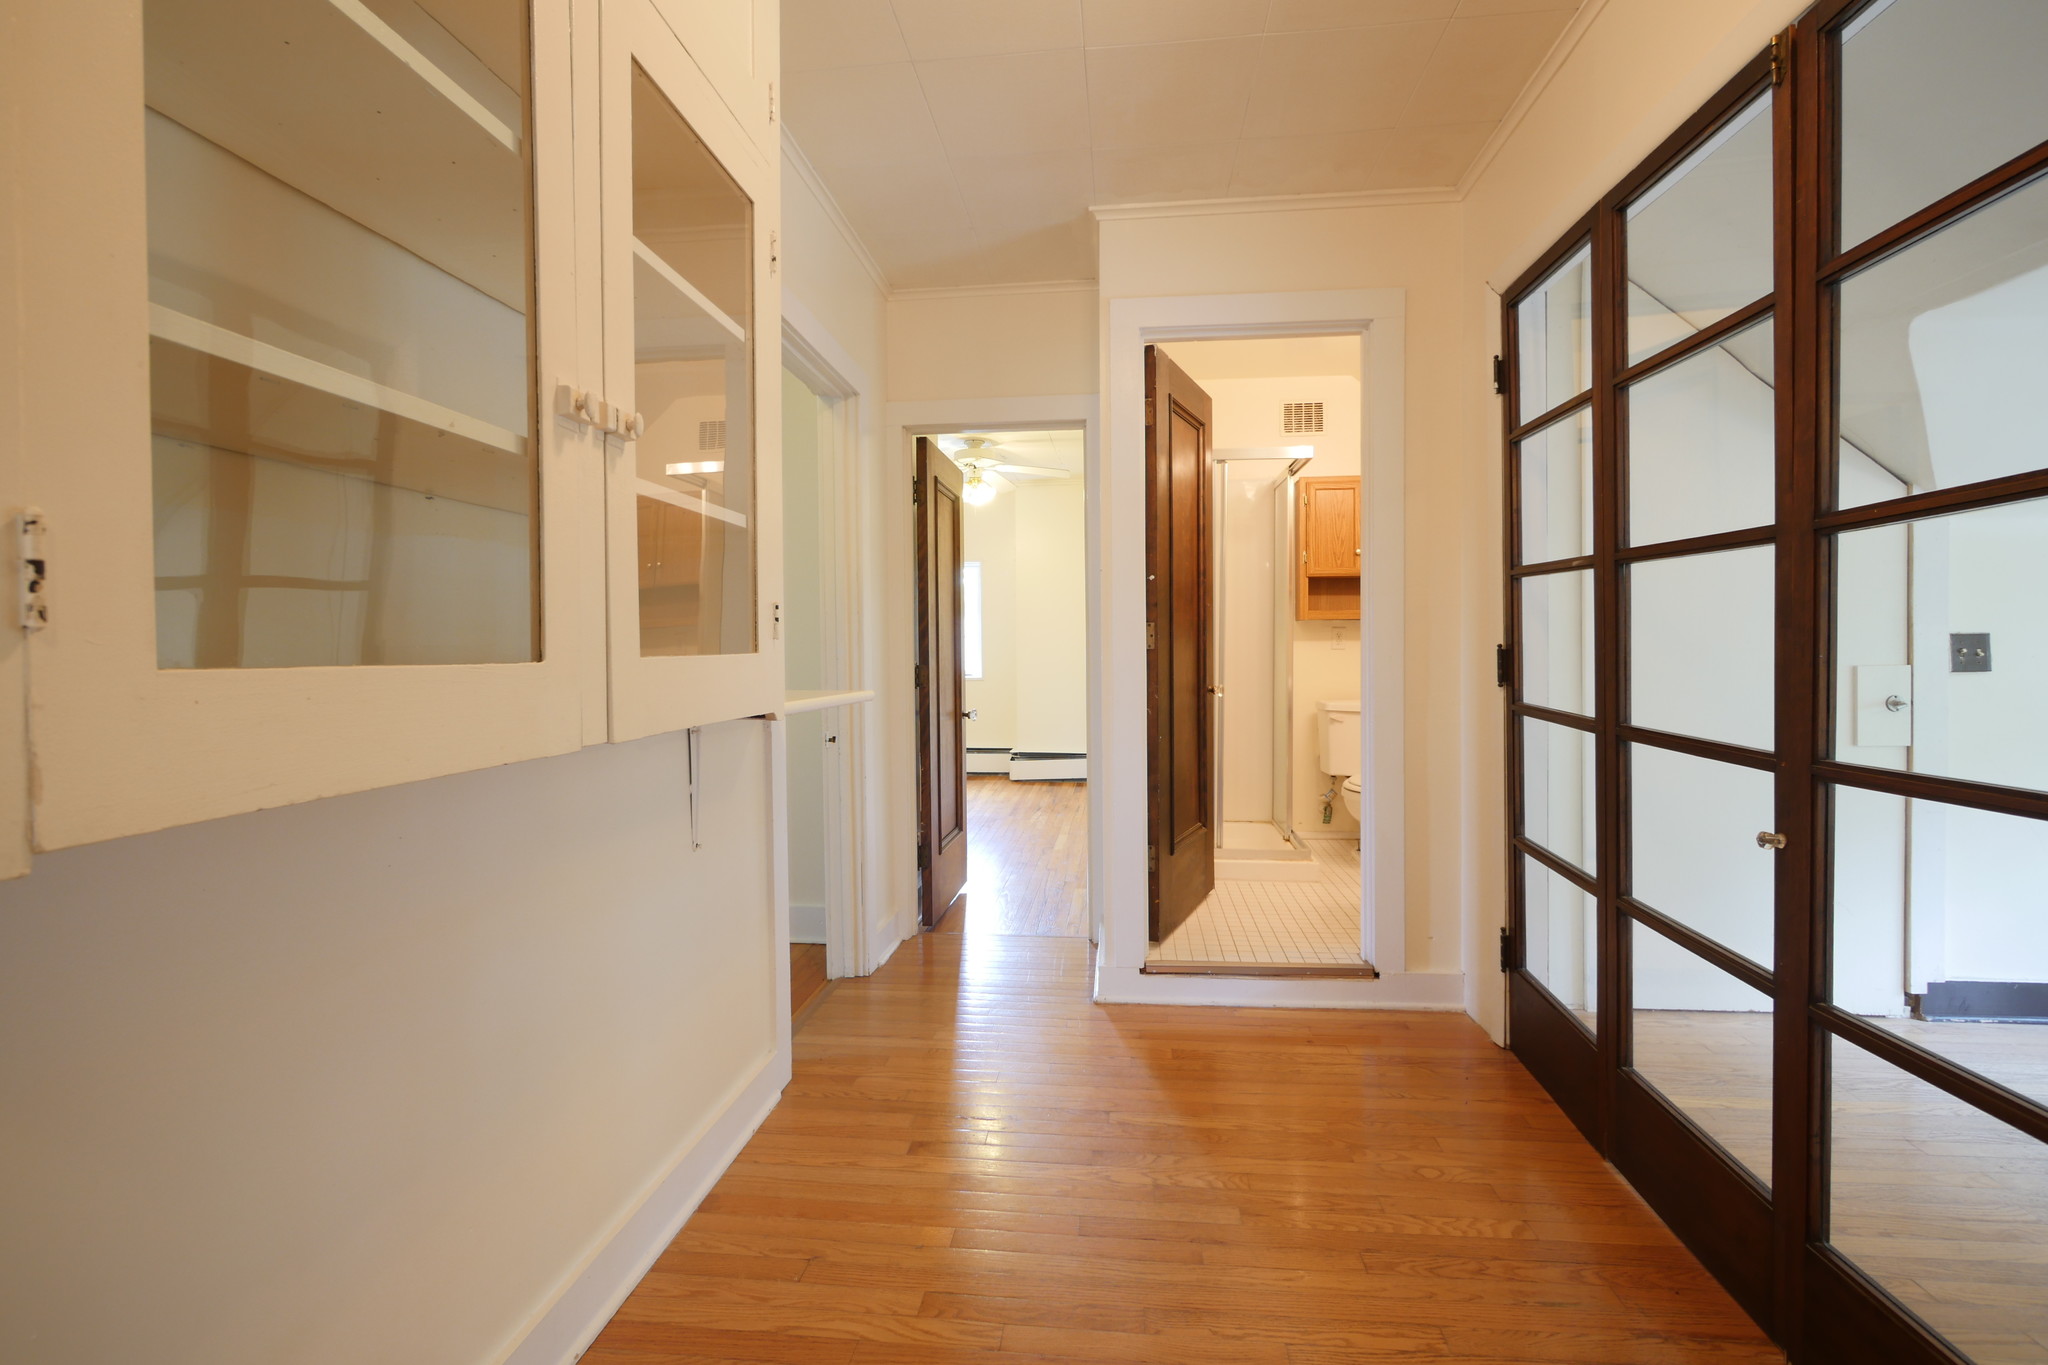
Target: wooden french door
{"points": [[1179, 607], [941, 682], [1773, 481]]}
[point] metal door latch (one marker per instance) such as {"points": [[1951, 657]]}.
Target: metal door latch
{"points": [[1769, 839]]}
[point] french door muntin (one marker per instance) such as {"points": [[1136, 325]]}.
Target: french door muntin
{"points": [[1808, 1264]]}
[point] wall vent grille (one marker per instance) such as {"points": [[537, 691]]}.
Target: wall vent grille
{"points": [[1301, 417], [711, 435]]}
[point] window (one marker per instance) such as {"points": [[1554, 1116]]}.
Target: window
{"points": [[970, 617]]}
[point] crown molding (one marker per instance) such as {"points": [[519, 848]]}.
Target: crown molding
{"points": [[1276, 203], [988, 291], [1532, 90], [793, 157]]}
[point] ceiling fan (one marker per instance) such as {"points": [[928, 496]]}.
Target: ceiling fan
{"points": [[980, 457]]}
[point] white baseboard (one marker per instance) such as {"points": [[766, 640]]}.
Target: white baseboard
{"points": [[1048, 769], [565, 1330], [988, 762], [807, 924]]}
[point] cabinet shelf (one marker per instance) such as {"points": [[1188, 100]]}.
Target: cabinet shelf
{"points": [[689, 502], [330, 99], [680, 329]]}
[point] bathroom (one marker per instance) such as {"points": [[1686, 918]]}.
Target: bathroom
{"points": [[1286, 556]]}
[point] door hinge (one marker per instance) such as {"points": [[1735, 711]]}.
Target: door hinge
{"points": [[1779, 42], [1500, 374], [916, 491], [1503, 665], [35, 570], [917, 675], [1507, 950], [1152, 857], [1151, 636]]}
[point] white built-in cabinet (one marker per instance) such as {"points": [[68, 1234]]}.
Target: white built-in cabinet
{"points": [[390, 397]]}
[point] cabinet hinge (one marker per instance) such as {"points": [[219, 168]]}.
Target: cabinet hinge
{"points": [[771, 101], [1151, 636], [1503, 665], [1500, 374], [774, 252], [1507, 951], [34, 569]]}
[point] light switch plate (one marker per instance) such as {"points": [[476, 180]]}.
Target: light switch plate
{"points": [[1884, 706], [1969, 653]]}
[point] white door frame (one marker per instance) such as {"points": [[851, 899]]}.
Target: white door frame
{"points": [[1117, 606], [811, 353], [904, 424]]}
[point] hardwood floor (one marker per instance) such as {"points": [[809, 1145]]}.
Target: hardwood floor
{"points": [[1027, 860], [974, 1163], [806, 975]]}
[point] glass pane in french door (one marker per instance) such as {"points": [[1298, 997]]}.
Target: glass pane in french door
{"points": [[1554, 475], [1693, 824], [1941, 931], [1558, 809], [1560, 945], [1557, 640], [1934, 94], [1703, 1039], [1942, 1204], [1702, 442], [340, 337], [693, 381], [1941, 645], [1699, 240], [1702, 644], [1942, 348], [1554, 338]]}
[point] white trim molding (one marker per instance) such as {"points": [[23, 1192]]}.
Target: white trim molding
{"points": [[1278, 203], [992, 291], [1377, 317], [793, 157]]}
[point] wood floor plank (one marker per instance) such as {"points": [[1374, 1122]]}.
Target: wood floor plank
{"points": [[975, 1164]]}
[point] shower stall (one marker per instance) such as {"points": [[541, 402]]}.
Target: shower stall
{"points": [[1253, 660]]}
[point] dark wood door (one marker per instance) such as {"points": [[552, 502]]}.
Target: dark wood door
{"points": [[941, 677], [1179, 602]]}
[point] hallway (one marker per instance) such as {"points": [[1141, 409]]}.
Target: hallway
{"points": [[974, 1163]]}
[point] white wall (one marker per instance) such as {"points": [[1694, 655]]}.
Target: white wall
{"points": [[368, 1078], [989, 535], [803, 655], [1052, 618]]}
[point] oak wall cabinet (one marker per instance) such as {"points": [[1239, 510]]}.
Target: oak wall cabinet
{"points": [[1329, 549], [370, 336]]}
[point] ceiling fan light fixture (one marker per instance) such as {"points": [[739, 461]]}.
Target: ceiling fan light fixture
{"points": [[976, 491]]}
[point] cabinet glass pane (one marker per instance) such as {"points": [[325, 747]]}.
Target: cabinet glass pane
{"points": [[1557, 791], [341, 385], [1703, 1039], [1554, 337], [1560, 940], [1694, 824], [1941, 931], [1940, 1203], [1934, 94], [1555, 471], [1557, 641], [1699, 240], [1701, 645], [1702, 443], [1945, 617], [1942, 350], [693, 233]]}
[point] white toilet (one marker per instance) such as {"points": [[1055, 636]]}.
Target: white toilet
{"points": [[1339, 743]]}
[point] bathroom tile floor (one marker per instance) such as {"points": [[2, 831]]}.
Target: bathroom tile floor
{"points": [[1277, 922]]}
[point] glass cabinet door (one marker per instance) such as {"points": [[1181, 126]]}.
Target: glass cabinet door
{"points": [[687, 267], [299, 287]]}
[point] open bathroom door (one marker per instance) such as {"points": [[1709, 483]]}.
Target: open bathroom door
{"points": [[1179, 607], [940, 685]]}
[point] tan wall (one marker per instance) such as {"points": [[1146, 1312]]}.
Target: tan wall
{"points": [[1000, 345]]}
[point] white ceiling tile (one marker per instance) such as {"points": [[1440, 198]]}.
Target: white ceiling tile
{"points": [[905, 200], [824, 33], [1143, 175], [1293, 16], [1116, 22], [1336, 163], [1012, 196], [1169, 93], [937, 29], [1341, 81], [1065, 252], [1008, 105], [861, 116], [1481, 66]]}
